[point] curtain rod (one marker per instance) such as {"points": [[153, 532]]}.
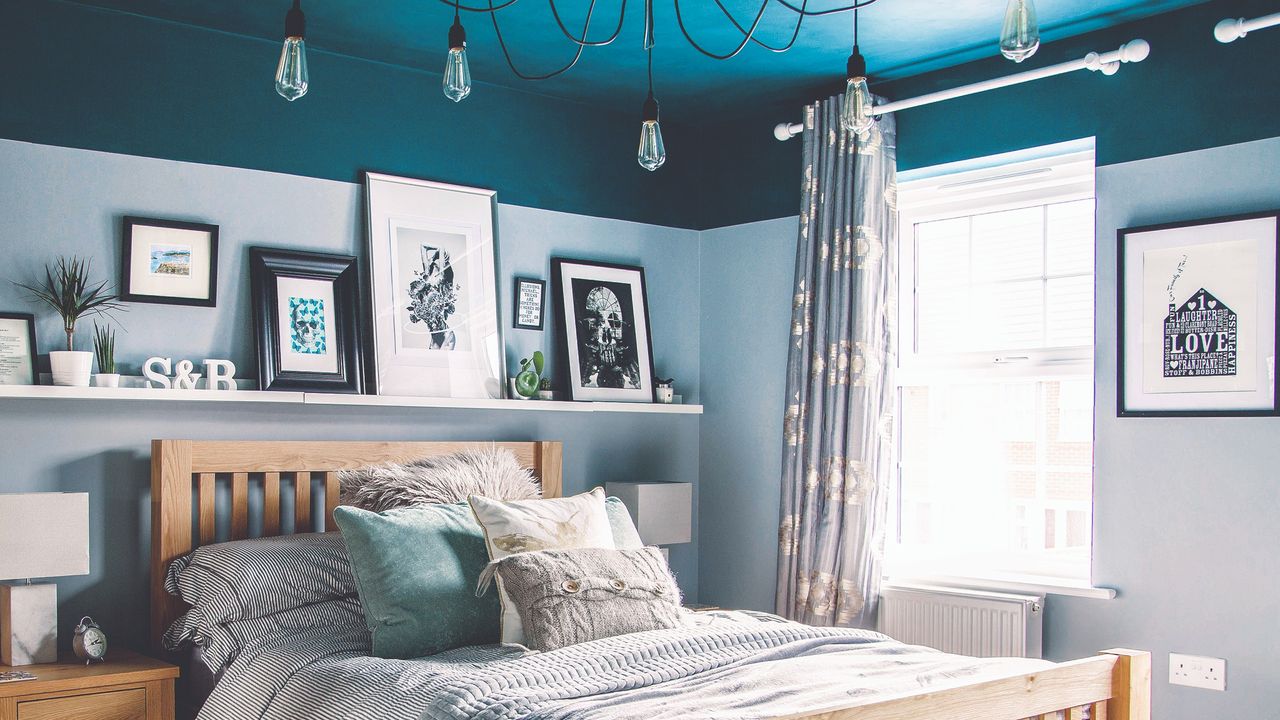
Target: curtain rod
{"points": [[1107, 63], [1236, 28]]}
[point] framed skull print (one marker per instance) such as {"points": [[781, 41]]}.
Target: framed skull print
{"points": [[432, 273], [603, 321], [306, 316]]}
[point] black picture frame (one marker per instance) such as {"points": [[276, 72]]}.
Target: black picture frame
{"points": [[517, 296], [127, 291], [568, 350], [266, 267], [1123, 293], [30, 320]]}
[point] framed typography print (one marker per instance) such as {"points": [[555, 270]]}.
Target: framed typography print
{"points": [[306, 312], [603, 320], [18, 349], [530, 299], [1198, 317], [433, 270], [169, 261]]}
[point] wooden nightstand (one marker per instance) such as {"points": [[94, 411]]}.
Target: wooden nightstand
{"points": [[127, 686]]}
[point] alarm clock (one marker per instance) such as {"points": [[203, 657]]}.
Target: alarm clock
{"points": [[89, 642]]}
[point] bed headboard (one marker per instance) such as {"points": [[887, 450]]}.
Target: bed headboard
{"points": [[185, 476]]}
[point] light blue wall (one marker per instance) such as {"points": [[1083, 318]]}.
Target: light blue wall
{"points": [[58, 200], [1185, 517], [746, 313]]}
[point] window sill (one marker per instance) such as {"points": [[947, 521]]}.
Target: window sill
{"points": [[1048, 586]]}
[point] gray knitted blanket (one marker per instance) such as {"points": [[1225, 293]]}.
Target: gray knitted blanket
{"points": [[733, 666]]}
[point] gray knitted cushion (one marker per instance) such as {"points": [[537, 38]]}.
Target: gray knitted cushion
{"points": [[571, 596]]}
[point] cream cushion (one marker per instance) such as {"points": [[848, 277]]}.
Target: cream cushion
{"points": [[515, 526]]}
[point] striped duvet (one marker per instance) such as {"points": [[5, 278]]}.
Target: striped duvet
{"points": [[720, 665]]}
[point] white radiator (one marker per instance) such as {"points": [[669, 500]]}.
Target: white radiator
{"points": [[964, 622]]}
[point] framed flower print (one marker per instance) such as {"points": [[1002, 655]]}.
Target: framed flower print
{"points": [[306, 311], [432, 270]]}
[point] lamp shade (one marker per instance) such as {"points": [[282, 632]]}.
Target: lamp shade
{"points": [[662, 511], [43, 535]]}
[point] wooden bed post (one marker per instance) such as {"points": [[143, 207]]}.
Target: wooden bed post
{"points": [[549, 461], [170, 526], [1130, 685]]}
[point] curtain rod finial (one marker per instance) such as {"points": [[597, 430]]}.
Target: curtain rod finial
{"points": [[786, 131]]}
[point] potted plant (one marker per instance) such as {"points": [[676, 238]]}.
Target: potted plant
{"points": [[104, 349], [68, 290], [526, 382], [545, 391]]}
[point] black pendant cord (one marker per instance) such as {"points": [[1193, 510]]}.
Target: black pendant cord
{"points": [[622, 14], [800, 9], [506, 54], [771, 48], [755, 24]]}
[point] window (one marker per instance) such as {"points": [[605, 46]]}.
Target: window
{"points": [[995, 371]]}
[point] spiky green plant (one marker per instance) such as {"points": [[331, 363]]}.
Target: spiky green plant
{"points": [[104, 347], [68, 290]]}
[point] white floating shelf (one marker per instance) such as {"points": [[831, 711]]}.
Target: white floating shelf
{"points": [[298, 398], [152, 394]]}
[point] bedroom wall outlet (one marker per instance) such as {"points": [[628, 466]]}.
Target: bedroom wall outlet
{"points": [[1200, 672]]}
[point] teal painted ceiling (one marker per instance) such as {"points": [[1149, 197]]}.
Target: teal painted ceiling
{"points": [[898, 37]]}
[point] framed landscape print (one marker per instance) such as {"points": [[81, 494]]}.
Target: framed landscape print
{"points": [[170, 262], [306, 311], [1198, 317], [530, 299], [433, 281], [603, 319], [18, 349]]}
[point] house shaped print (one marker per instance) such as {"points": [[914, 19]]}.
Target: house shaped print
{"points": [[1200, 338]]}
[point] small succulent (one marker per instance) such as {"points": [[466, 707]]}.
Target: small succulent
{"points": [[664, 382], [545, 385], [529, 379], [104, 347]]}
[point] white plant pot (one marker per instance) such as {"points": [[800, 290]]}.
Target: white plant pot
{"points": [[515, 395], [665, 394], [106, 380], [71, 367], [546, 394]]}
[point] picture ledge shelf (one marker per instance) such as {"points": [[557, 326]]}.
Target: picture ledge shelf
{"points": [[300, 398]]}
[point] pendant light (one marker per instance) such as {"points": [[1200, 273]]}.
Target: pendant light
{"points": [[855, 109], [291, 73], [457, 72], [1020, 33], [652, 153]]}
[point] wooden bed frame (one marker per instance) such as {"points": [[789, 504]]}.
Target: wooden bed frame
{"points": [[1114, 685]]}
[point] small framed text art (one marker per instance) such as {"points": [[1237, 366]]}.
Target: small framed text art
{"points": [[531, 298], [170, 262], [1197, 317], [433, 278], [18, 349], [603, 321], [306, 321]]}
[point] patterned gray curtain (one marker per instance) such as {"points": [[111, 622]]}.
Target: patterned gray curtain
{"points": [[839, 427]]}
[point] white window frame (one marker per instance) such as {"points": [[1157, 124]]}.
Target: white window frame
{"points": [[1054, 175]]}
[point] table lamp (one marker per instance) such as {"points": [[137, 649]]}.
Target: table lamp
{"points": [[662, 511], [42, 535]]}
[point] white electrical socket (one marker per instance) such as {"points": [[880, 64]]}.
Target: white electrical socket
{"points": [[1199, 672]]}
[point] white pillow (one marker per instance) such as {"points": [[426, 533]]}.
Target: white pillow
{"points": [[517, 526]]}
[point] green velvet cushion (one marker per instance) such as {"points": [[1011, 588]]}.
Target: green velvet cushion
{"points": [[416, 569]]}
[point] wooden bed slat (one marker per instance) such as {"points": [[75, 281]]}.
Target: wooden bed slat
{"points": [[1075, 713], [331, 493], [170, 526], [302, 502], [208, 491], [270, 504], [239, 506], [1098, 711]]}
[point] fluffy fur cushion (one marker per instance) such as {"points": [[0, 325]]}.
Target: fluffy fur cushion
{"points": [[490, 471]]}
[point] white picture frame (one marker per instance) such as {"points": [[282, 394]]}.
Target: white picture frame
{"points": [[1197, 317], [433, 287]]}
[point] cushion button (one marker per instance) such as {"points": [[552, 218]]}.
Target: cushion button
{"points": [[618, 585], [570, 586]]}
